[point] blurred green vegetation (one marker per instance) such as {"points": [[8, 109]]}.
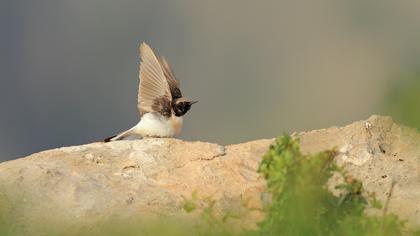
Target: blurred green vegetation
{"points": [[301, 204], [403, 100]]}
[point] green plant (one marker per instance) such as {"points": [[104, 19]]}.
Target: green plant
{"points": [[402, 100], [302, 204], [209, 223]]}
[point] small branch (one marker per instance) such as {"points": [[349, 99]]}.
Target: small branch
{"points": [[385, 210]]}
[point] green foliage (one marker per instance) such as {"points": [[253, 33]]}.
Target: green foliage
{"points": [[6, 215], [403, 100], [208, 223], [190, 205], [303, 205]]}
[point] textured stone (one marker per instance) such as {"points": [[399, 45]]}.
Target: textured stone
{"points": [[86, 184]]}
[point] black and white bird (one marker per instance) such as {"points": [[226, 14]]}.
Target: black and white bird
{"points": [[160, 101]]}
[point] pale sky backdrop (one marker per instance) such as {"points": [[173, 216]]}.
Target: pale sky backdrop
{"points": [[69, 68]]}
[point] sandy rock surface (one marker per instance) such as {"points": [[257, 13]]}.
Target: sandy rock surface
{"points": [[93, 182]]}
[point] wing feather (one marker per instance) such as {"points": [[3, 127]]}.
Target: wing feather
{"points": [[170, 77], [154, 92]]}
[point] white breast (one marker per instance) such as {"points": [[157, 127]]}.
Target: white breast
{"points": [[155, 125]]}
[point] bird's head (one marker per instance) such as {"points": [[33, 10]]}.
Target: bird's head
{"points": [[182, 105]]}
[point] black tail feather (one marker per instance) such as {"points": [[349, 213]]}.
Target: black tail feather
{"points": [[109, 139]]}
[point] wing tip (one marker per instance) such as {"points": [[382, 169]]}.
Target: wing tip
{"points": [[146, 52], [144, 47]]}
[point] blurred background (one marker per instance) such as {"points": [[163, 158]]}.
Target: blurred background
{"points": [[69, 69]]}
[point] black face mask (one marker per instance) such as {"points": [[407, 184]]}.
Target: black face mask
{"points": [[181, 108]]}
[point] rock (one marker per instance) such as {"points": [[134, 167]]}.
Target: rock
{"points": [[84, 185], [377, 152]]}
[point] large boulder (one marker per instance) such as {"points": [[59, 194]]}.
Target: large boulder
{"points": [[87, 184]]}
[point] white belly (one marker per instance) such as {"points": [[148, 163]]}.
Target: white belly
{"points": [[155, 125]]}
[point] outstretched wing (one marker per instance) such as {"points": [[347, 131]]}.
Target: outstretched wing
{"points": [[154, 93], [170, 77]]}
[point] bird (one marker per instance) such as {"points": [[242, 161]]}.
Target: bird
{"points": [[160, 102]]}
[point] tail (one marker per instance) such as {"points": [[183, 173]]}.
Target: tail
{"points": [[109, 139], [120, 136]]}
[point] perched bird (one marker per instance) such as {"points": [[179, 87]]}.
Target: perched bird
{"points": [[160, 101]]}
